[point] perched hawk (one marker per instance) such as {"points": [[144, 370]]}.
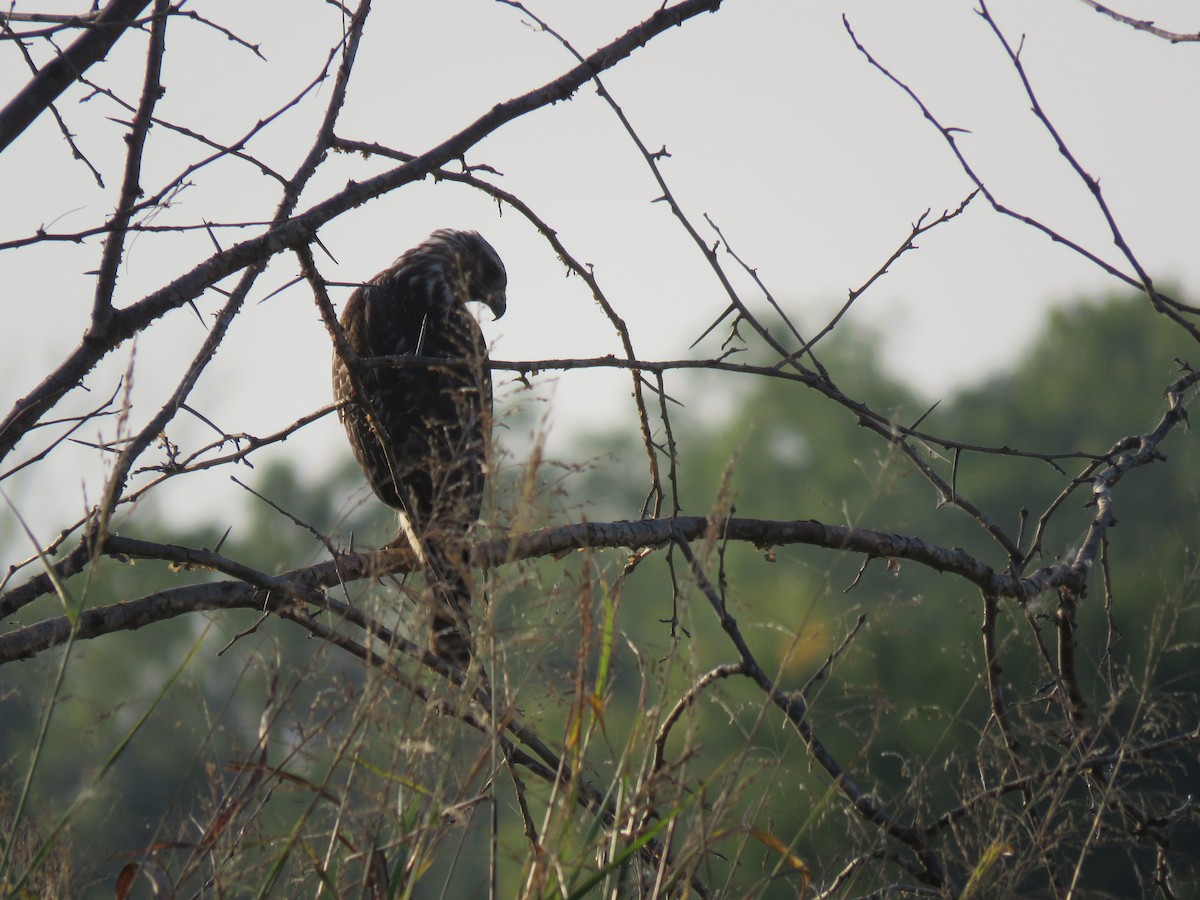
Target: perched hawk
{"points": [[436, 421]]}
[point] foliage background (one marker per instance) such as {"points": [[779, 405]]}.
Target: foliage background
{"points": [[896, 702]]}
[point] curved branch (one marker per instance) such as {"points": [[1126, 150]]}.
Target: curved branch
{"points": [[551, 541]]}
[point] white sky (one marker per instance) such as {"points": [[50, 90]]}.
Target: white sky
{"points": [[813, 165]]}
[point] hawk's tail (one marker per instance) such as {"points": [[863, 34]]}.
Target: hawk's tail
{"points": [[450, 587]]}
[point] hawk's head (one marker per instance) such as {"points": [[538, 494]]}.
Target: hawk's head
{"points": [[474, 268]]}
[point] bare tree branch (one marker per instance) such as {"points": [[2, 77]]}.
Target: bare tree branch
{"points": [[114, 243], [1146, 25], [550, 541], [54, 78]]}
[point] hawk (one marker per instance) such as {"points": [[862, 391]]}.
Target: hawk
{"points": [[420, 432]]}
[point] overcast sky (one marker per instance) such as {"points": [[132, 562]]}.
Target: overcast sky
{"points": [[813, 165]]}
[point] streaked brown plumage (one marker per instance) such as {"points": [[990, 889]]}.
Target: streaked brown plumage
{"points": [[435, 420]]}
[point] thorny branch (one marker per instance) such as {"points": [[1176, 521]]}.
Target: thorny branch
{"points": [[114, 243], [55, 77]]}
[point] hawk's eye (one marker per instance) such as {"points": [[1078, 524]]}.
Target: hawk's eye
{"points": [[491, 271]]}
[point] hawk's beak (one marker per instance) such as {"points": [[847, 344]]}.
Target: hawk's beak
{"points": [[497, 303]]}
